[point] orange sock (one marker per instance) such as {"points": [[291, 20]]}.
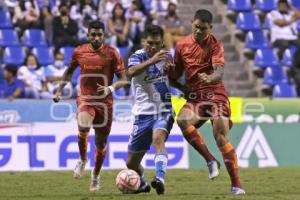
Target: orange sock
{"points": [[99, 158], [82, 144], [195, 138], [230, 160]]}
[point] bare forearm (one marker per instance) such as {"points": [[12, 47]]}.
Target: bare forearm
{"points": [[67, 76], [218, 73]]}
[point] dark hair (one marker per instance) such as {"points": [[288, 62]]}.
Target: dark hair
{"points": [[153, 30], [204, 16], [114, 12], [36, 59], [12, 68], [96, 24]]}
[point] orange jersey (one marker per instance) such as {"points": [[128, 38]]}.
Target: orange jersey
{"points": [[193, 58], [96, 66]]}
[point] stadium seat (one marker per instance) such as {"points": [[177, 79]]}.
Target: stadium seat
{"points": [[267, 23], [44, 55], [266, 57], [34, 38], [248, 21], [239, 5], [288, 54], [15, 55], [265, 5], [296, 3], [8, 37], [256, 40], [147, 4], [5, 20], [275, 75], [284, 91], [67, 51], [123, 51]]}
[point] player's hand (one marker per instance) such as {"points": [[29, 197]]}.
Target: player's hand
{"points": [[159, 56], [57, 97], [169, 67], [204, 78], [103, 90]]}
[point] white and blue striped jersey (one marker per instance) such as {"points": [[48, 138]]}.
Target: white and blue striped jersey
{"points": [[151, 87]]}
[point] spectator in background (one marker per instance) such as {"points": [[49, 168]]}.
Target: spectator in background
{"points": [[46, 18], [12, 87], [118, 27], [33, 76], [159, 8], [295, 70], [172, 25], [54, 73], [137, 21], [64, 29], [26, 15], [283, 27]]}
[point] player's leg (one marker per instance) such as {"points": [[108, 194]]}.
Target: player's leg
{"points": [[161, 130], [139, 143], [133, 162], [221, 134], [84, 120], [189, 121], [102, 126]]}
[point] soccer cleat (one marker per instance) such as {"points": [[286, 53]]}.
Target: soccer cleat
{"points": [[158, 185], [143, 188], [237, 191], [95, 182], [79, 169], [213, 169]]}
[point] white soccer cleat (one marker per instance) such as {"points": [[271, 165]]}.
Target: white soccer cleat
{"points": [[213, 169], [95, 182], [79, 169], [237, 191]]}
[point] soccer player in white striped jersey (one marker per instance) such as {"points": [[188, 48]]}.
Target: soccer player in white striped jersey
{"points": [[153, 111]]}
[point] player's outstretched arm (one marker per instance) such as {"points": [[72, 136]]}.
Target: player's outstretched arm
{"points": [[67, 76], [139, 68]]}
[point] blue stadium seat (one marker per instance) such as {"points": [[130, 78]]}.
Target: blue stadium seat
{"points": [[296, 3], [256, 40], [15, 55], [239, 5], [34, 38], [298, 25], [288, 54], [266, 58], [284, 91], [120, 94], [44, 55], [123, 51], [5, 19], [147, 4], [275, 75], [267, 23], [265, 5], [8, 37], [248, 21], [67, 51]]}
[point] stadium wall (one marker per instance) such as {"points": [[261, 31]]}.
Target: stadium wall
{"points": [[40, 135]]}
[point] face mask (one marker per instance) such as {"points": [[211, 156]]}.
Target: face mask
{"points": [[59, 64], [32, 66]]}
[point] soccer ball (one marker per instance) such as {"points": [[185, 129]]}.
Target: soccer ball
{"points": [[128, 181]]}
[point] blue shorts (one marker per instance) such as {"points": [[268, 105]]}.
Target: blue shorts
{"points": [[141, 137]]}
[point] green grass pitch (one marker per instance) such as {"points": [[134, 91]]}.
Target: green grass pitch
{"points": [[260, 184]]}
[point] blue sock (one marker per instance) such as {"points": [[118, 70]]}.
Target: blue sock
{"points": [[161, 161]]}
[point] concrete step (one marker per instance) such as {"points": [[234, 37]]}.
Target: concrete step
{"points": [[196, 2], [241, 93]]}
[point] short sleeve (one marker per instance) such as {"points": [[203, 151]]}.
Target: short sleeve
{"points": [[135, 59], [218, 54], [118, 62]]}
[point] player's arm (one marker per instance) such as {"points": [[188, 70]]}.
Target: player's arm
{"points": [[139, 68], [67, 76]]}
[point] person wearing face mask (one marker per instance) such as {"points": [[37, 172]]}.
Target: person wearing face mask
{"points": [[54, 74], [64, 29], [33, 76], [172, 25], [283, 26]]}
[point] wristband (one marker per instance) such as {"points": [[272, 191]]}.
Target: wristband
{"points": [[112, 89]]}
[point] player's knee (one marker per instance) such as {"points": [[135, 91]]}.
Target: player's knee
{"points": [[182, 123], [220, 136], [157, 141]]}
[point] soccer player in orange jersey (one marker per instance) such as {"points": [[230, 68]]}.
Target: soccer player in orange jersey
{"points": [[201, 57], [98, 64]]}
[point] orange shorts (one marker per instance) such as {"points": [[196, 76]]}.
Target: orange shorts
{"points": [[101, 112]]}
